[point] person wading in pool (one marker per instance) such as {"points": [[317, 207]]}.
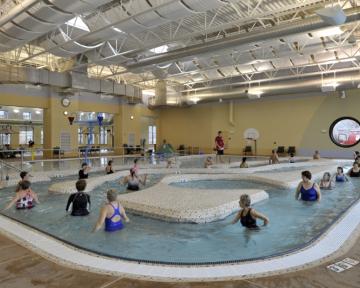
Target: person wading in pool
{"points": [[208, 162], [112, 214], [274, 158], [109, 168], [326, 182], [248, 215], [307, 190], [80, 200], [24, 176], [84, 171], [24, 198], [340, 176], [355, 170], [133, 181]]}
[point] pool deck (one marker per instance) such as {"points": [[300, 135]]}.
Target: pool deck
{"points": [[20, 268]]}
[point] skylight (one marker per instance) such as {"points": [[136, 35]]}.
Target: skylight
{"points": [[160, 49], [77, 22], [117, 30]]}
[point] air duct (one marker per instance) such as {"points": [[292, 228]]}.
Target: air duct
{"points": [[301, 26], [70, 82], [307, 84], [160, 93]]}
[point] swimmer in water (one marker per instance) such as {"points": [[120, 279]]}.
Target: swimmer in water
{"points": [[340, 176], [80, 200], [109, 168], [274, 158], [24, 176], [208, 162], [84, 171], [133, 181], [112, 214], [316, 155], [326, 182], [307, 190], [24, 198], [247, 215], [355, 170]]}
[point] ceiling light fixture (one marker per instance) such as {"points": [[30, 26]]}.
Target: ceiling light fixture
{"points": [[117, 30], [330, 31], [77, 22], [16, 111], [329, 87], [160, 49], [254, 93], [195, 99]]}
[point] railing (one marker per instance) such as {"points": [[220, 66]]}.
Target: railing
{"points": [[8, 166], [94, 154]]}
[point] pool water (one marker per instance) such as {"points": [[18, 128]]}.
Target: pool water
{"points": [[293, 224], [198, 162], [220, 184]]}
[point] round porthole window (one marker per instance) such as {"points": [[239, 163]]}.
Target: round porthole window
{"points": [[345, 132]]}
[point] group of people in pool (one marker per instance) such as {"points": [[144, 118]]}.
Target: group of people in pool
{"points": [[111, 214], [307, 190]]}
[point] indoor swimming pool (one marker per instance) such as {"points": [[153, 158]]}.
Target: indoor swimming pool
{"points": [[293, 225]]}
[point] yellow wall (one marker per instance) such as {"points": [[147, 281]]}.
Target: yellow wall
{"points": [[300, 122], [292, 122], [55, 122]]}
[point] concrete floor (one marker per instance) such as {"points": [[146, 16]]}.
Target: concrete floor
{"points": [[20, 268]]}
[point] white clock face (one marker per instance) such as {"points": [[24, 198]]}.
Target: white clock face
{"points": [[65, 102]]}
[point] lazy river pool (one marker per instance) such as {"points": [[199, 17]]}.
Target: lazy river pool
{"points": [[293, 224]]}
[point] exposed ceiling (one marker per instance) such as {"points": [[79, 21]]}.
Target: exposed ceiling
{"points": [[203, 49]]}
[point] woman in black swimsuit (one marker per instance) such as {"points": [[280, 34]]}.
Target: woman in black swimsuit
{"points": [[355, 170], [248, 215], [80, 200]]}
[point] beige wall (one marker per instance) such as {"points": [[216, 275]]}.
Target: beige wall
{"points": [[55, 122], [292, 122], [300, 122]]}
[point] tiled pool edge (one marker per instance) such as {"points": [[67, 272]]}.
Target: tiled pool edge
{"points": [[330, 245]]}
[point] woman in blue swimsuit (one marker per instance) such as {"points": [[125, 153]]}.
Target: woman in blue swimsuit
{"points": [[112, 214], [307, 190], [340, 176]]}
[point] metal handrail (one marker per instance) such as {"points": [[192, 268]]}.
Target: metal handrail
{"points": [[3, 163]]}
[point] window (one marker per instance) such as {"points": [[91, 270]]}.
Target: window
{"points": [[152, 135], [80, 136], [3, 114], [25, 135], [5, 139], [345, 132], [27, 115], [90, 136], [42, 136], [103, 135]]}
